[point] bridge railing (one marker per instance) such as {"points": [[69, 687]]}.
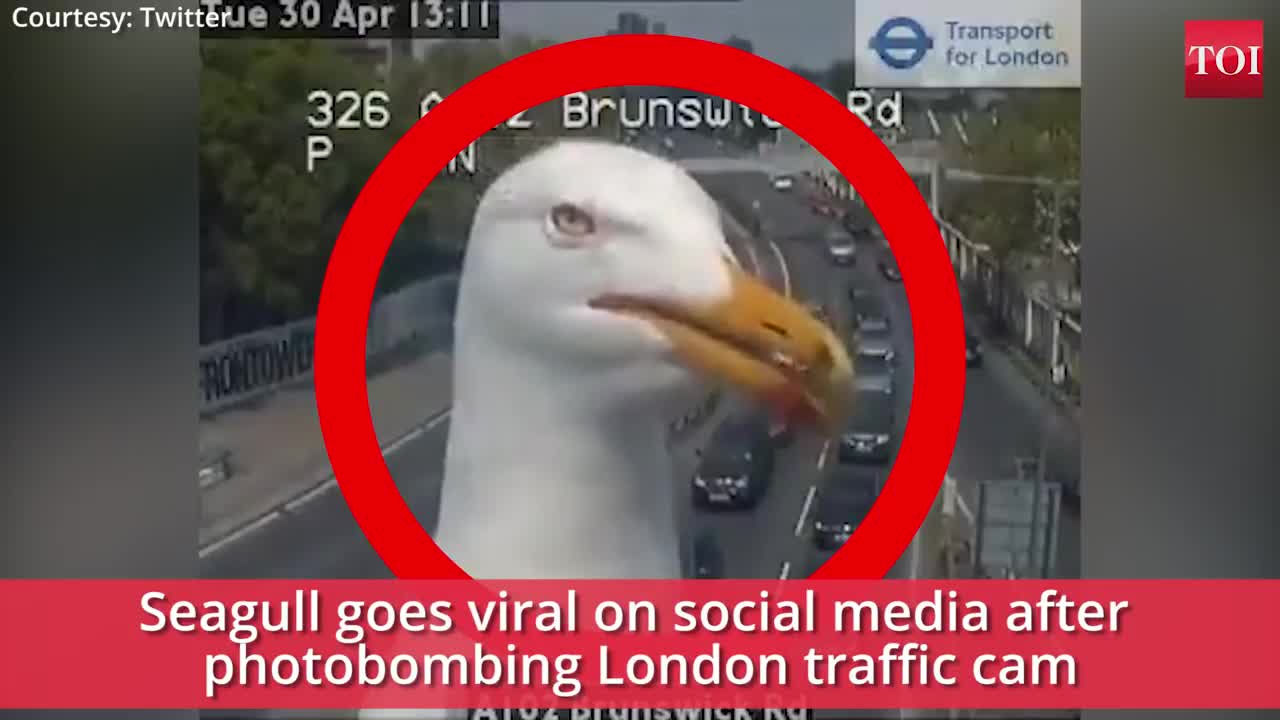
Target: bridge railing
{"points": [[248, 367], [1051, 337], [1048, 335]]}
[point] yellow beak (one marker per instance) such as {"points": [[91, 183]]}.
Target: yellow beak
{"points": [[760, 341]]}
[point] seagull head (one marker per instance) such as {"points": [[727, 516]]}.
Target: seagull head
{"points": [[604, 259]]}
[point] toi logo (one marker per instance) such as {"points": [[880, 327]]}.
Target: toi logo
{"points": [[1223, 58]]}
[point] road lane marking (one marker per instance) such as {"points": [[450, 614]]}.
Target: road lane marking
{"points": [[325, 487], [403, 440], [305, 498], [444, 415], [252, 527], [786, 570], [804, 510], [782, 263], [313, 493], [822, 456]]}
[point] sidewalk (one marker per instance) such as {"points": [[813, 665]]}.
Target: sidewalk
{"points": [[1039, 378], [276, 448]]}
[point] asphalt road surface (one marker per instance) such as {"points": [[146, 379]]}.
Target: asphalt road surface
{"points": [[1004, 417]]}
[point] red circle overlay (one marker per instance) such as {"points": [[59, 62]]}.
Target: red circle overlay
{"points": [[647, 60]]}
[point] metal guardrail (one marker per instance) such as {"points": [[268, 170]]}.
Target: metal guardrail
{"points": [[245, 368], [1049, 335]]}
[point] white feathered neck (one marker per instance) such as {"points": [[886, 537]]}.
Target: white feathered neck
{"points": [[551, 473]]}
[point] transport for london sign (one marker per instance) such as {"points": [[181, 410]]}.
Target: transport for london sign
{"points": [[974, 44]]}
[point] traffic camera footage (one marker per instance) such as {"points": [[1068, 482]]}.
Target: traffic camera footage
{"points": [[163, 203], [291, 129]]}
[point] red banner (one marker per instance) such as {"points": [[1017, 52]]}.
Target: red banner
{"points": [[76, 644]]}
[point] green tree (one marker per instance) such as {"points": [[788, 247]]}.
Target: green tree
{"points": [[1037, 136], [267, 224]]}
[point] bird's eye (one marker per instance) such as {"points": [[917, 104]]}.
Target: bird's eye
{"points": [[572, 221]]}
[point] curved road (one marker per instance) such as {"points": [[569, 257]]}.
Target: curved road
{"points": [[1003, 418]]}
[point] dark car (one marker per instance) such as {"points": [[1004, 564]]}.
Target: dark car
{"points": [[873, 372], [868, 436], [972, 350], [737, 466], [822, 208], [846, 497], [889, 268], [707, 561], [875, 339], [869, 311], [857, 223]]}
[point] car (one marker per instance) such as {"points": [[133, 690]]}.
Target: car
{"points": [[876, 340], [783, 183], [869, 311], [707, 559], [972, 350], [868, 435], [736, 468], [873, 372], [840, 247], [845, 499], [857, 223], [824, 209], [889, 268]]}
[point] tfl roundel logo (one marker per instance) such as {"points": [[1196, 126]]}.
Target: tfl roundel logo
{"points": [[901, 43], [1223, 58]]}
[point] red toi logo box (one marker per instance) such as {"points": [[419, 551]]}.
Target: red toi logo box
{"points": [[1223, 58]]}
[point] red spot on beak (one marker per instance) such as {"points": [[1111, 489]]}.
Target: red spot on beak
{"points": [[791, 408]]}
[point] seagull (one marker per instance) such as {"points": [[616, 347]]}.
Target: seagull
{"points": [[598, 298]]}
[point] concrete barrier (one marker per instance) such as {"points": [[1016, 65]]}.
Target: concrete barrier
{"points": [[247, 367], [1050, 337]]}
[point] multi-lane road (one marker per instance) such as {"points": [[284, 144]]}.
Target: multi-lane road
{"points": [[1003, 418]]}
